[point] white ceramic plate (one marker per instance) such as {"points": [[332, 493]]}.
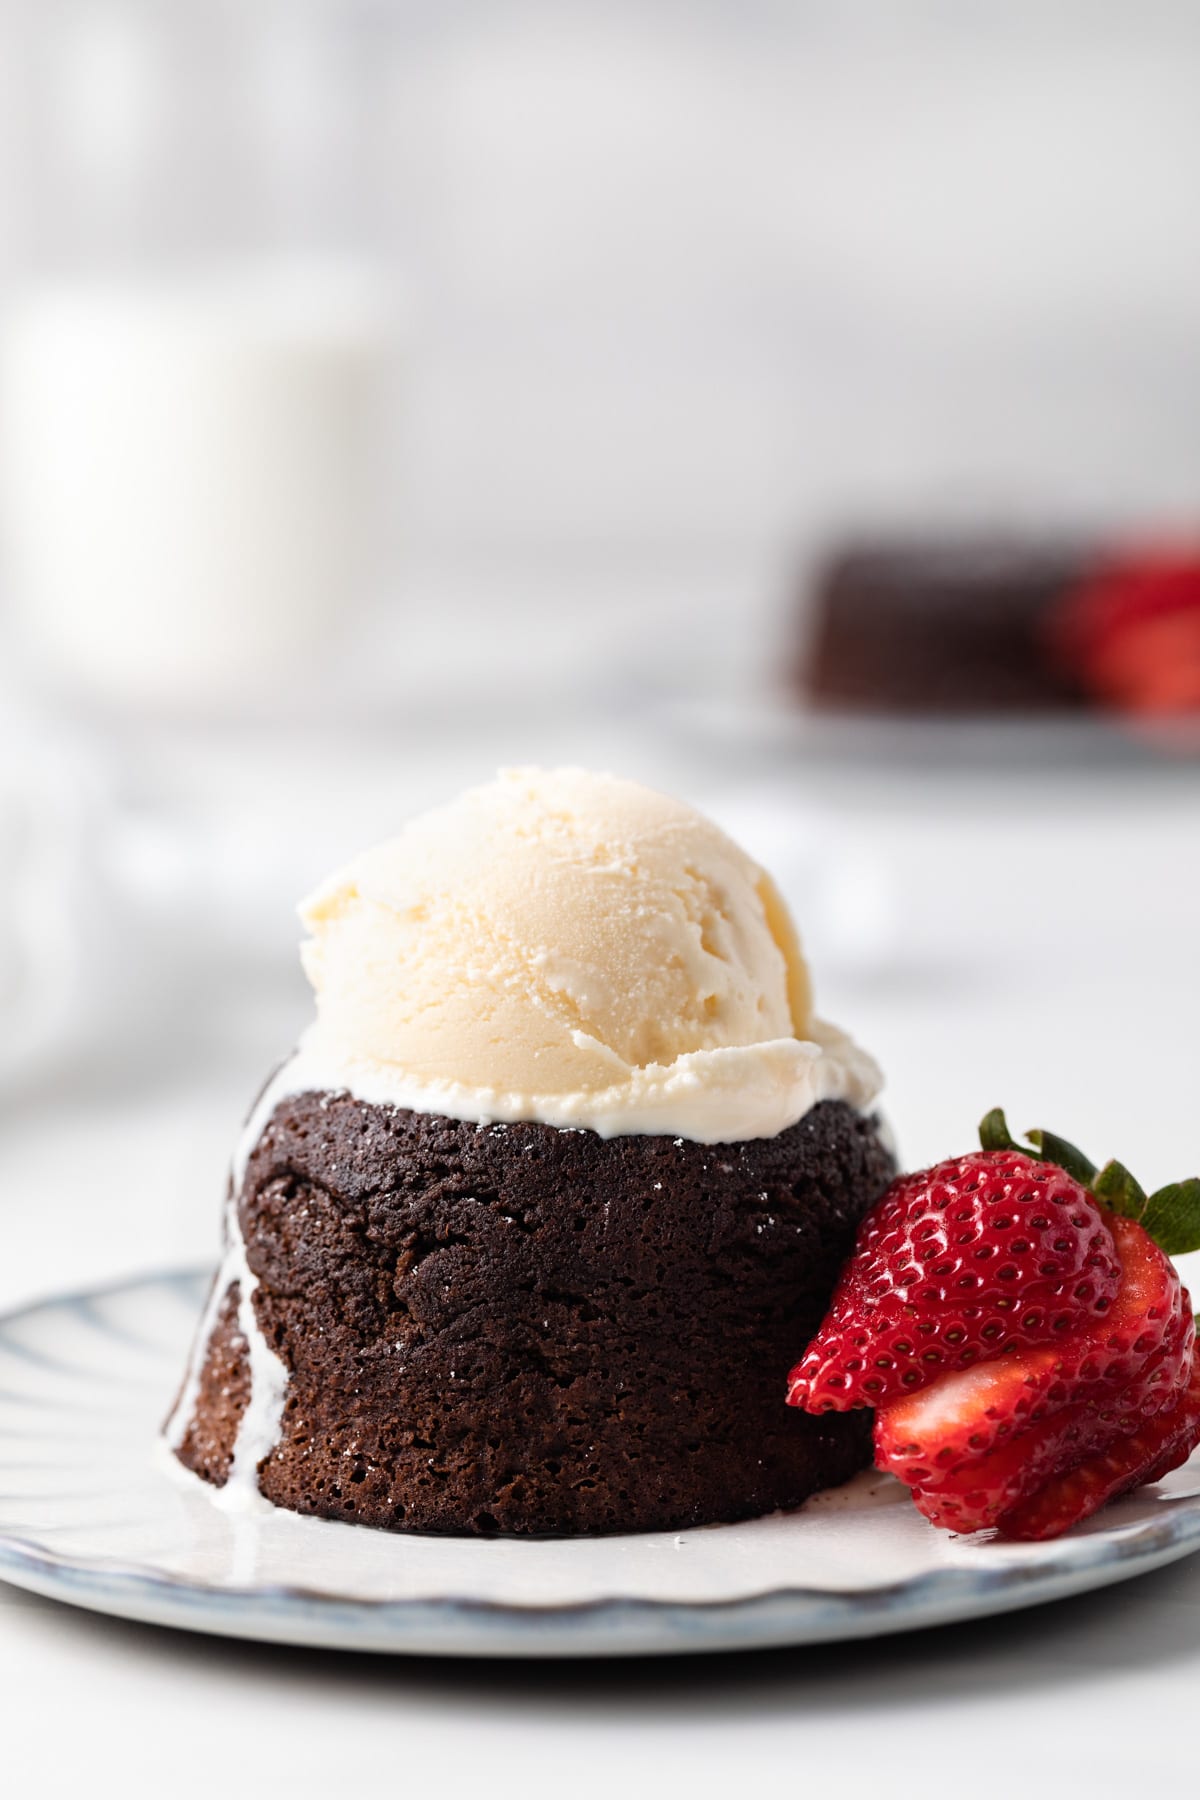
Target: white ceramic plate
{"points": [[93, 1512]]}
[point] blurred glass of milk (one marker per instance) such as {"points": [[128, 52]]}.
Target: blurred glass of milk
{"points": [[194, 359], [187, 468]]}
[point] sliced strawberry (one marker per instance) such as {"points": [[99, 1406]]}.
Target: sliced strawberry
{"points": [[1151, 1303], [1158, 1384], [1123, 1364], [978, 1494], [1145, 1455], [976, 1491], [1131, 630], [983, 1254], [961, 1418], [1015, 1321], [1177, 1447]]}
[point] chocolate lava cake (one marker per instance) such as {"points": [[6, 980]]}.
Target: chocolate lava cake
{"points": [[514, 1328], [525, 1235]]}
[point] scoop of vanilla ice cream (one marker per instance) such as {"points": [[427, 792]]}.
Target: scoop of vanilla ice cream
{"points": [[549, 933], [574, 948]]}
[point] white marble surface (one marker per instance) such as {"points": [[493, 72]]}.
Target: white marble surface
{"points": [[1025, 940]]}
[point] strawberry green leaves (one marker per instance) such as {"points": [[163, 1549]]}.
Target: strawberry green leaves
{"points": [[994, 1135], [1067, 1156], [1171, 1215], [1117, 1189]]}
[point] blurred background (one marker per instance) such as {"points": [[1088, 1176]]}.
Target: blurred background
{"points": [[794, 407]]}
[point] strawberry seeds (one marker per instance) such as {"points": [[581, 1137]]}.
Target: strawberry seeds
{"points": [[1025, 1341]]}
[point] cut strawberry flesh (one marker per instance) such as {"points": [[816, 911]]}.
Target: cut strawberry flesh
{"points": [[991, 1252], [977, 1495], [973, 1492], [1028, 1353], [977, 1444], [964, 1416]]}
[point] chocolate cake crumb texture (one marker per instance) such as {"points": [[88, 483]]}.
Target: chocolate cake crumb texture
{"points": [[512, 1328]]}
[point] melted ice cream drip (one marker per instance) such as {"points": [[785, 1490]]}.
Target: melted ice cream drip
{"points": [[259, 1427]]}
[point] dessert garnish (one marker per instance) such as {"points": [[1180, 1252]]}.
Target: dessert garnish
{"points": [[1015, 1320], [1131, 633]]}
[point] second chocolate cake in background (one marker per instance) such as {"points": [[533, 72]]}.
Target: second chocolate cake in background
{"points": [[941, 626], [525, 1234]]}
